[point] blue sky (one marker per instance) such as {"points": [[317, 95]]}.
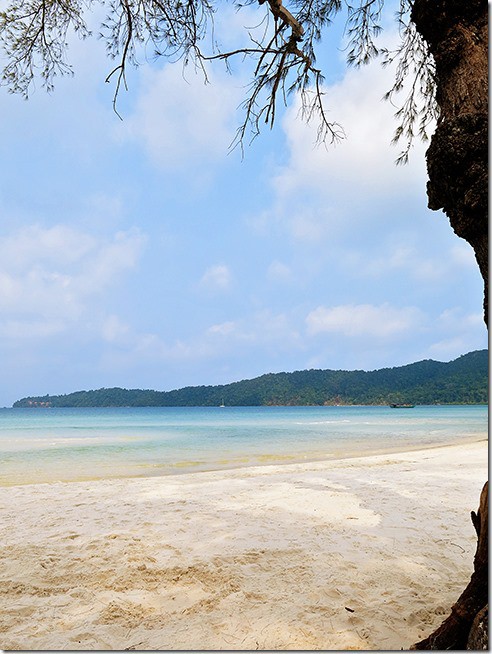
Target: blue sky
{"points": [[142, 253]]}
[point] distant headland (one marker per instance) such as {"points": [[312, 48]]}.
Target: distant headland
{"points": [[462, 381]]}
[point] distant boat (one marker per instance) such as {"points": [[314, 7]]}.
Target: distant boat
{"points": [[402, 406], [222, 405]]}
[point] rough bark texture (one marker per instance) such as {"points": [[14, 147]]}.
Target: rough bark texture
{"points": [[457, 165], [457, 159], [479, 632]]}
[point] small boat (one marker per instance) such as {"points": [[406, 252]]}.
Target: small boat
{"points": [[402, 406], [222, 406]]}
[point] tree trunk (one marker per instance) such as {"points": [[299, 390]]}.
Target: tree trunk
{"points": [[457, 159], [456, 32]]}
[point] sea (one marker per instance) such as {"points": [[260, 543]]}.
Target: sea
{"points": [[50, 445]]}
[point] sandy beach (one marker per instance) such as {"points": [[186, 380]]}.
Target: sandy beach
{"points": [[360, 553]]}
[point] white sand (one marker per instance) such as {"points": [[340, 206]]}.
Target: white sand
{"points": [[256, 558]]}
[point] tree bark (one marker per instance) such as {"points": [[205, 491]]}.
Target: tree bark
{"points": [[457, 159], [457, 165]]}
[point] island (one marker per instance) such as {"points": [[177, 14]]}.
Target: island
{"points": [[461, 381]]}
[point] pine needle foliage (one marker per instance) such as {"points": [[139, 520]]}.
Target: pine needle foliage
{"points": [[34, 36]]}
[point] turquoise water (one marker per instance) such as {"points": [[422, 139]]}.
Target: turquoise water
{"points": [[39, 445]]}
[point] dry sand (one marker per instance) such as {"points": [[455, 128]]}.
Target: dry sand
{"points": [[364, 553]]}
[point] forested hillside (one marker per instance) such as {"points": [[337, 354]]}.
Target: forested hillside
{"points": [[462, 381]]}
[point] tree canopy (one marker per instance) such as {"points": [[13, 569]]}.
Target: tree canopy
{"points": [[282, 49]]}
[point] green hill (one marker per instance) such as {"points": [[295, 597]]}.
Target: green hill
{"points": [[462, 381]]}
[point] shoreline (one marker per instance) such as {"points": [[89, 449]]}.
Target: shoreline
{"points": [[366, 552], [187, 467]]}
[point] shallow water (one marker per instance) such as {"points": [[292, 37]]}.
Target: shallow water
{"points": [[41, 445]]}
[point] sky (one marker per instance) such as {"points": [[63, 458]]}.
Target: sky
{"points": [[144, 253]]}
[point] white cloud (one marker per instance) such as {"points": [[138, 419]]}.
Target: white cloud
{"points": [[364, 162], [449, 348], [110, 260], [180, 120], [264, 327], [311, 224], [405, 257], [33, 244], [103, 209], [216, 278], [37, 291], [364, 320], [323, 194], [221, 342], [234, 27], [462, 255], [451, 319], [30, 329], [48, 276], [279, 272], [415, 263], [457, 332], [113, 330], [222, 329]]}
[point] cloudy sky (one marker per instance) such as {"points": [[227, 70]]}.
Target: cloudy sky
{"points": [[143, 253]]}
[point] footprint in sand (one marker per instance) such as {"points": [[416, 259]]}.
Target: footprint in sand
{"points": [[420, 617]]}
